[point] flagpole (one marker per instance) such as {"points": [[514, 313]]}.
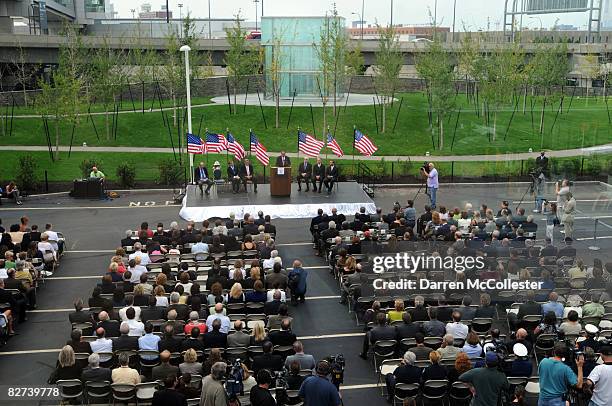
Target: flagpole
{"points": [[227, 132], [326, 137], [354, 133], [186, 49], [298, 143], [205, 147], [250, 135]]}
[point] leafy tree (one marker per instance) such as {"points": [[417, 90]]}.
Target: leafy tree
{"points": [[145, 61], [173, 70], [388, 65], [354, 60], [274, 53], [24, 72], [241, 58], [436, 68], [589, 68], [26, 176], [547, 71]]}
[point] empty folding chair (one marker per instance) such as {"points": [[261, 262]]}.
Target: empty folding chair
{"points": [[123, 393], [97, 392], [460, 394], [435, 390], [405, 393], [70, 389], [382, 350]]}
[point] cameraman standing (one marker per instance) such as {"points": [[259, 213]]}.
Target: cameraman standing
{"points": [[600, 380], [539, 184], [489, 382], [317, 390], [431, 173], [556, 377], [260, 394]]}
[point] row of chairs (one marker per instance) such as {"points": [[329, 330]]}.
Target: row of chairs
{"points": [[74, 391]]}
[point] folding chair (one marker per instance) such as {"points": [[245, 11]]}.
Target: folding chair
{"points": [[435, 390], [459, 394], [123, 393], [383, 349], [97, 392], [145, 391], [70, 389], [404, 392], [386, 367]]}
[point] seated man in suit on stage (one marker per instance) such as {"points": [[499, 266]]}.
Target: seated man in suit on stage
{"points": [[233, 175], [304, 174], [283, 160], [200, 177], [318, 173], [248, 175], [331, 176]]}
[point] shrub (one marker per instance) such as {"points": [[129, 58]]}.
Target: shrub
{"points": [[170, 172], [126, 174], [26, 173], [86, 165]]}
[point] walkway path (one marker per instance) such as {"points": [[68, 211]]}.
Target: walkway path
{"points": [[601, 149]]}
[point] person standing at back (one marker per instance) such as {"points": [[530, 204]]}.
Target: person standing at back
{"points": [[317, 390]]}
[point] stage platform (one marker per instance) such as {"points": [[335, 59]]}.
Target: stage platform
{"points": [[348, 197]]}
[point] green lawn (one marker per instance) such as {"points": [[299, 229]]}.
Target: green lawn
{"points": [[146, 164], [584, 125]]}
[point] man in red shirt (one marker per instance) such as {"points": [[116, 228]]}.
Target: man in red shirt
{"points": [[193, 322]]}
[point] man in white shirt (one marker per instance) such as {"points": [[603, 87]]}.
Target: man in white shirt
{"points": [[130, 302], [432, 182], [144, 257], [44, 245], [136, 270], [102, 344], [274, 258], [270, 295], [601, 378], [225, 321], [457, 329], [53, 237], [136, 327]]}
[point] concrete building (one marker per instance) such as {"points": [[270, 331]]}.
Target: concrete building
{"points": [[48, 16], [406, 33]]}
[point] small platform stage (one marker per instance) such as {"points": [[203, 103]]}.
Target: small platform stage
{"points": [[348, 197]]}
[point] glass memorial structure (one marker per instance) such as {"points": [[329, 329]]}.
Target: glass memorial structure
{"points": [[295, 39]]}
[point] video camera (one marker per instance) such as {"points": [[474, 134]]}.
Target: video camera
{"points": [[280, 386], [425, 167], [234, 386], [337, 364]]}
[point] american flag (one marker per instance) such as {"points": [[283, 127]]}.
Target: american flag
{"points": [[215, 143], [260, 151], [334, 146], [234, 147], [309, 145], [363, 144], [194, 144]]}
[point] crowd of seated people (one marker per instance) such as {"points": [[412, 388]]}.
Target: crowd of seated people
{"points": [[574, 304], [27, 256], [163, 310]]}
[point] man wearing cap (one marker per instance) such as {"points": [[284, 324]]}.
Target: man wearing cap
{"points": [[590, 332], [317, 390], [217, 171], [556, 377], [521, 366], [233, 175], [600, 379], [488, 382], [200, 177]]}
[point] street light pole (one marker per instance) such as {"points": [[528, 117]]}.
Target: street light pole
{"points": [[167, 13], [256, 3], [362, 17], [360, 22], [186, 49], [209, 27], [391, 13], [180, 6], [454, 15]]}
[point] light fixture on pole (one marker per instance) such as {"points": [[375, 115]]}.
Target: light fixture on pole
{"points": [[256, 3], [186, 49], [391, 24], [133, 13], [167, 13], [209, 27], [180, 6], [360, 23]]}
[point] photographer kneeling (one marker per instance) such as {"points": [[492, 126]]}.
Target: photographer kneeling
{"points": [[599, 380], [317, 390]]}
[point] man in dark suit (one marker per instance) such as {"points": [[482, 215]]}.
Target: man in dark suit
{"points": [[267, 360], [94, 372], [273, 306], [215, 338], [169, 342], [530, 307], [193, 341], [304, 174], [408, 329], [111, 327], [269, 228], [152, 312], [318, 175], [331, 176], [382, 331], [284, 336], [283, 160], [124, 341], [247, 174], [233, 175], [164, 369], [200, 177]]}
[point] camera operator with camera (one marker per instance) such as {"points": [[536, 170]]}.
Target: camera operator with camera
{"points": [[599, 381], [213, 392], [260, 394], [317, 390], [556, 378], [429, 171], [538, 182]]}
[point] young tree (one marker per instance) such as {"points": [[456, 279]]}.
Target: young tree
{"points": [[548, 70], [274, 54], [389, 62], [241, 58], [24, 72], [324, 51], [436, 68], [144, 60], [106, 78], [354, 60], [590, 69], [173, 70], [339, 47]]}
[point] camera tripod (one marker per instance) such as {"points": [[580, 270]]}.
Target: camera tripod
{"points": [[530, 190]]}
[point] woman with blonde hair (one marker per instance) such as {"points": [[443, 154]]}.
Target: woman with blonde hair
{"points": [[160, 296], [258, 335], [349, 265], [191, 364], [248, 382], [66, 367], [113, 271], [235, 295], [398, 312]]}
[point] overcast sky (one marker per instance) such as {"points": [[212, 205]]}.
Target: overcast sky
{"points": [[473, 14]]}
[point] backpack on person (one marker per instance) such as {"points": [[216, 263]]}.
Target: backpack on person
{"points": [[294, 280]]}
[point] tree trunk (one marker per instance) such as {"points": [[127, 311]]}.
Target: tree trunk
{"points": [[57, 138], [324, 116], [106, 124], [525, 100], [235, 99], [542, 116], [494, 124], [277, 107], [25, 97], [441, 141], [383, 117], [174, 123]]}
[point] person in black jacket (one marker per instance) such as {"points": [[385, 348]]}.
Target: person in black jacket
{"points": [[408, 329], [169, 396], [233, 175], [304, 174], [169, 342], [284, 337], [382, 331], [124, 341], [318, 175], [193, 341], [267, 360], [331, 176], [93, 372], [200, 177], [247, 174], [215, 338]]}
